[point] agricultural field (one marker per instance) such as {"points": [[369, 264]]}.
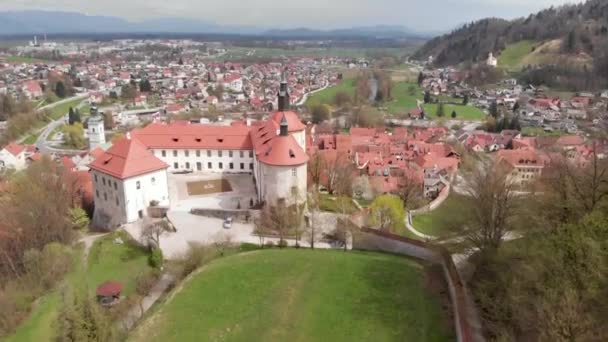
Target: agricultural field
{"points": [[513, 55], [301, 295]]}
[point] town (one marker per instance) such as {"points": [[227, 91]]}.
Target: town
{"points": [[147, 181]]}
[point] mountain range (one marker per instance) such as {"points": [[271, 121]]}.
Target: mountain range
{"points": [[51, 22]]}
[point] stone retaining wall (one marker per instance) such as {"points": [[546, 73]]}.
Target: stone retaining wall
{"points": [[466, 323]]}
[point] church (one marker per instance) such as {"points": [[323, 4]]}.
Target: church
{"points": [[132, 175]]}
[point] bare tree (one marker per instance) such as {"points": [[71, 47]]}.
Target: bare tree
{"points": [[313, 205], [152, 230], [410, 192], [296, 212], [339, 175], [275, 219], [493, 201], [316, 165]]}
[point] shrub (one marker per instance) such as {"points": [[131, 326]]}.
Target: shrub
{"points": [[246, 247], [282, 243], [156, 258], [269, 244], [196, 256], [48, 266]]}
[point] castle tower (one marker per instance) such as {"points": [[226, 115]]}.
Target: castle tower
{"points": [[96, 131], [284, 101]]}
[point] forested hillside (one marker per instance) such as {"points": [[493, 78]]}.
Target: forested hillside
{"points": [[582, 29]]}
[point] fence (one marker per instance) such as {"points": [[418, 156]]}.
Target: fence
{"points": [[466, 323]]}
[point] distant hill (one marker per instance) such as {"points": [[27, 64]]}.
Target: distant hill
{"points": [[50, 22], [380, 32], [573, 30]]}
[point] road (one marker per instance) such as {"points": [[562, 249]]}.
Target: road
{"points": [[42, 143]]}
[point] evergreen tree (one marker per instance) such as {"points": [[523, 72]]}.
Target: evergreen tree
{"points": [[71, 116], [60, 90], [420, 78], [77, 117], [440, 110], [515, 107], [454, 114], [181, 61], [465, 100], [515, 124], [494, 109], [427, 97]]}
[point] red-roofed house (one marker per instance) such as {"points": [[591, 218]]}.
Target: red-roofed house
{"points": [[13, 156], [525, 164], [127, 178], [32, 89]]}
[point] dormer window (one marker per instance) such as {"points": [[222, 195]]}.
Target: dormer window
{"points": [[291, 154], [198, 140], [220, 140], [175, 139]]}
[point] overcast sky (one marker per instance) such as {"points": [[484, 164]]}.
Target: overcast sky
{"points": [[416, 14]]}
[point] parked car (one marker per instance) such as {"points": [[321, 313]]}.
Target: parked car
{"points": [[228, 223]]}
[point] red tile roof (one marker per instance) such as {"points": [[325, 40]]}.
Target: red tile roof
{"points": [[109, 289], [127, 158], [283, 151], [14, 149], [195, 136], [293, 121]]}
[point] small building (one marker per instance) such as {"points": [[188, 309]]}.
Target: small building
{"points": [[109, 293]]}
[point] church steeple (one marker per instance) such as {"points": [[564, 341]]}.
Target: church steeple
{"points": [[284, 127], [283, 94]]}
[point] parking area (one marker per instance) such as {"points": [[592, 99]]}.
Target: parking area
{"points": [[233, 191]]}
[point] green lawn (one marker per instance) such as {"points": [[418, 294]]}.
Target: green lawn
{"points": [[62, 109], [20, 59], [31, 139], [462, 112], [405, 95], [110, 261], [330, 204], [448, 218], [301, 295], [327, 95], [512, 56], [107, 261], [39, 325]]}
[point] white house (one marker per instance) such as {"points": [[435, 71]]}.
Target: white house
{"points": [[96, 131], [233, 82], [12, 156], [492, 61], [127, 179]]}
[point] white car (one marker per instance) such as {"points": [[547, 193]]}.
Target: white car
{"points": [[228, 223]]}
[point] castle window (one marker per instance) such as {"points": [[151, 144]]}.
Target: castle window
{"points": [[97, 193], [187, 153], [175, 166], [230, 154], [95, 178], [115, 186], [294, 172], [242, 166], [198, 153], [187, 166], [105, 196], [153, 180], [208, 153], [231, 165], [221, 165], [241, 154], [138, 185], [103, 180], [175, 153], [163, 153], [117, 201], [219, 153], [250, 154], [250, 166], [209, 166]]}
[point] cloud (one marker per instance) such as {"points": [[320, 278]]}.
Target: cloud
{"points": [[420, 14]]}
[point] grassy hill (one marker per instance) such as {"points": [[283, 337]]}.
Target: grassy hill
{"points": [[301, 295]]}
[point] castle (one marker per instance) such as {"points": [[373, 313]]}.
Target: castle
{"points": [[133, 174]]}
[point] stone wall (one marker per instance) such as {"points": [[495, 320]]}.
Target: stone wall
{"points": [[443, 195], [466, 323]]}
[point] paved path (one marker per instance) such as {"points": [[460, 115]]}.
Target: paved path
{"points": [[88, 241], [42, 142], [408, 225], [165, 281], [208, 230]]}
